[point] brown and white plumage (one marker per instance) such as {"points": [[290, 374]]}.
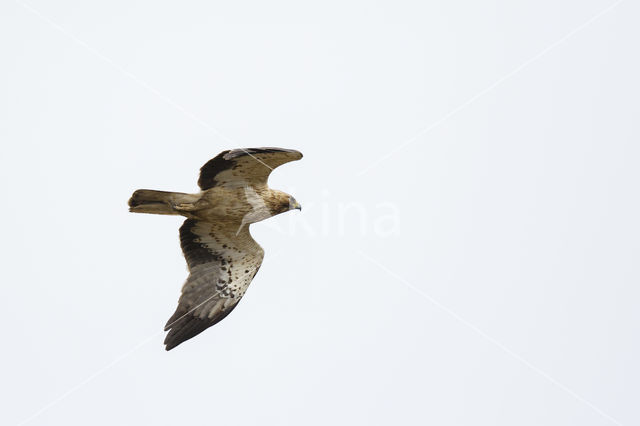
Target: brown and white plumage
{"points": [[221, 255]]}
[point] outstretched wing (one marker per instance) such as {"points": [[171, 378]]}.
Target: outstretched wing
{"points": [[244, 166], [221, 267]]}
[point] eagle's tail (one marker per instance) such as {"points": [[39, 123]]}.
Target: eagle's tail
{"points": [[158, 202]]}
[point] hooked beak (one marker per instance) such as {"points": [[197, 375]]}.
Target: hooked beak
{"points": [[297, 206]]}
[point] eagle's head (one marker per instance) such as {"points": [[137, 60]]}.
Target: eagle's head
{"points": [[280, 202]]}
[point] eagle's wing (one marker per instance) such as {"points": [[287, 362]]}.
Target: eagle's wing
{"points": [[221, 267], [244, 166]]}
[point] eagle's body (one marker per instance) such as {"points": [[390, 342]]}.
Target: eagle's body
{"points": [[221, 255]]}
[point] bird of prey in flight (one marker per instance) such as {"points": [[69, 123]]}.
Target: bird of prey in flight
{"points": [[221, 255]]}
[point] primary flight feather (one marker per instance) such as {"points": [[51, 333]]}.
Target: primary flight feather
{"points": [[221, 255]]}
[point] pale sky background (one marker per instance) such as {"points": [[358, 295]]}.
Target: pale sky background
{"points": [[483, 273]]}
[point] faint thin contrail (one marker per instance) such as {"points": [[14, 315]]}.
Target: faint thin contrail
{"points": [[489, 88], [115, 361], [490, 338], [124, 71]]}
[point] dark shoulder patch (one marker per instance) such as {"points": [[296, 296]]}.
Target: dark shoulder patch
{"points": [[212, 167], [195, 252], [183, 325]]}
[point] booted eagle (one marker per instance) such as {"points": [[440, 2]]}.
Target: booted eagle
{"points": [[221, 255]]}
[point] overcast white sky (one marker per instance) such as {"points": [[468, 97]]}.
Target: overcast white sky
{"points": [[467, 252]]}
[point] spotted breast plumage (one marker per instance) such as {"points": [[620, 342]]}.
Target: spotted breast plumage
{"points": [[221, 255]]}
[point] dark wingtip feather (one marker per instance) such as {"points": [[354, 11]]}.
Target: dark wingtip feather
{"points": [[240, 152], [182, 326]]}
